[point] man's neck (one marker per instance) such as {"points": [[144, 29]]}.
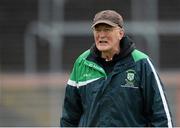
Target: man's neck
{"points": [[108, 56]]}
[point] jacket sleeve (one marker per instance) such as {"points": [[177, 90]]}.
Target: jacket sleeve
{"points": [[155, 103], [72, 108]]}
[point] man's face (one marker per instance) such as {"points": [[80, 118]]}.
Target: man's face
{"points": [[107, 37]]}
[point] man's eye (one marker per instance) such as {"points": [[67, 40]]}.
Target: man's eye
{"points": [[97, 30], [107, 29], [103, 29]]}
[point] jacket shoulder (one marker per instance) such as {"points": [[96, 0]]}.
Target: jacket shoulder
{"points": [[138, 55], [77, 67], [83, 56]]}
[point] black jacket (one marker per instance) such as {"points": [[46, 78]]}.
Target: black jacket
{"points": [[124, 92]]}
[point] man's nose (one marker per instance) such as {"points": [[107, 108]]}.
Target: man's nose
{"points": [[102, 34]]}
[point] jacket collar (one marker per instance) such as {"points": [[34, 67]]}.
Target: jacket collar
{"points": [[126, 45]]}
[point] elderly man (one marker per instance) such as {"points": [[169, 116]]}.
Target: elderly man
{"points": [[113, 83]]}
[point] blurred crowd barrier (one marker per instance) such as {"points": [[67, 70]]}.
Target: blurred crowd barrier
{"points": [[31, 100], [37, 99]]}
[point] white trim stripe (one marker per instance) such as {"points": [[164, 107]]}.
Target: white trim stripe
{"points": [[86, 82], [73, 83], [162, 94]]}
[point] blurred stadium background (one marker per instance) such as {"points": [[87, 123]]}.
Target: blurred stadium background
{"points": [[40, 39]]}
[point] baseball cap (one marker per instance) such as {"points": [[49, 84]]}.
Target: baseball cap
{"points": [[109, 17]]}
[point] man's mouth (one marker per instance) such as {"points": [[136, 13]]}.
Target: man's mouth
{"points": [[103, 42]]}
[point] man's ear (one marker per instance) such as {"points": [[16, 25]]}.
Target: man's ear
{"points": [[121, 33]]}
